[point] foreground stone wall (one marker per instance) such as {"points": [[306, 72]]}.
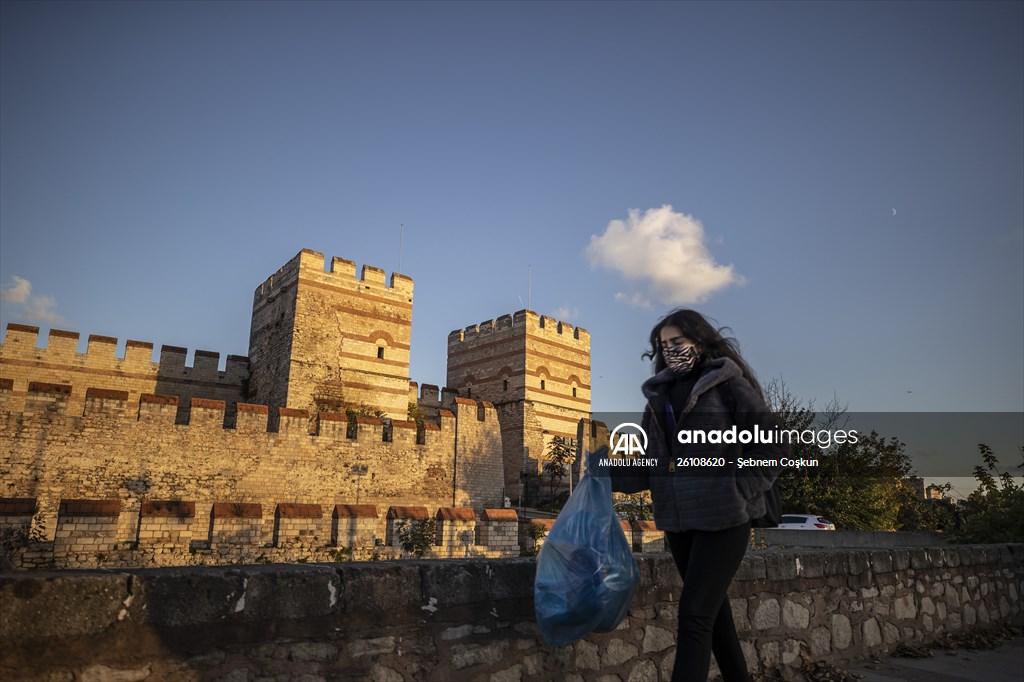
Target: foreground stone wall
{"points": [[473, 620]]}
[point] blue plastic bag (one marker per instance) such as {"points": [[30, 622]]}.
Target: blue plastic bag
{"points": [[586, 571]]}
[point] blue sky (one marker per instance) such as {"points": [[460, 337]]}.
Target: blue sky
{"points": [[159, 161]]}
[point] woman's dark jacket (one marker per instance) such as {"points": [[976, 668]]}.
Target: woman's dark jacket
{"points": [[714, 497]]}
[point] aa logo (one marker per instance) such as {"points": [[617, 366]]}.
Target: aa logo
{"points": [[628, 440]]}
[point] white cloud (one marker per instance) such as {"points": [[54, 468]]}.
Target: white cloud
{"points": [[33, 308], [17, 291], [566, 314], [634, 299], [665, 252]]}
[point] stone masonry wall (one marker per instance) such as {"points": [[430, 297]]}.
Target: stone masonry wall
{"points": [[22, 363], [473, 620], [52, 452], [535, 370], [327, 338]]}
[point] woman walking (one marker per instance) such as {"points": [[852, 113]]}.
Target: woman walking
{"points": [[702, 500]]}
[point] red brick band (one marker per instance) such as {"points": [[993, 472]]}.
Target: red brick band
{"points": [[408, 513], [17, 506], [169, 509], [354, 511], [207, 404], [106, 508], [105, 394], [43, 387], [236, 510], [455, 514], [500, 515], [101, 339], [158, 399], [299, 511]]}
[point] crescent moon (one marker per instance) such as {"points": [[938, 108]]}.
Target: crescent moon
{"points": [[894, 211]]}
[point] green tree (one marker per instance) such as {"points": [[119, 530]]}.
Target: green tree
{"points": [[995, 511], [417, 536], [560, 457], [858, 486], [415, 414], [918, 514]]}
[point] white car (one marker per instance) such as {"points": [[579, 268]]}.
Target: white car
{"points": [[805, 522]]}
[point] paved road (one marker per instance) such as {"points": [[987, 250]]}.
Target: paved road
{"points": [[1003, 664]]}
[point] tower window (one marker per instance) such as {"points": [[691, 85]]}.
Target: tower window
{"points": [[542, 384], [573, 391], [380, 352], [469, 391], [504, 385]]}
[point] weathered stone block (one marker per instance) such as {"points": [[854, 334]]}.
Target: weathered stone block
{"points": [[842, 634], [657, 639], [779, 567], [794, 616], [767, 615], [465, 655], [751, 568], [871, 633], [512, 674], [821, 642], [643, 671], [588, 656], [904, 608], [617, 652]]}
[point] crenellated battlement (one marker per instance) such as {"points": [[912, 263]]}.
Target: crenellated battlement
{"points": [[203, 413], [22, 343], [523, 322], [25, 365], [309, 264], [325, 334], [109, 447], [316, 332]]}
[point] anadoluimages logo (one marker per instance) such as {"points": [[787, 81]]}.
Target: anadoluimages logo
{"points": [[628, 442]]}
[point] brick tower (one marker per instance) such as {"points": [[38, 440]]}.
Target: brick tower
{"points": [[327, 340], [536, 371]]}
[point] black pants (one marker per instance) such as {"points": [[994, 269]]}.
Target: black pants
{"points": [[707, 561]]}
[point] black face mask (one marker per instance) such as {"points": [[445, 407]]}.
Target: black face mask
{"points": [[680, 359]]}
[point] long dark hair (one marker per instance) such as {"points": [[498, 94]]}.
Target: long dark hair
{"points": [[712, 342]]}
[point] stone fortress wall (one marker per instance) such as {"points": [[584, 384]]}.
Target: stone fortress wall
{"points": [[59, 363], [322, 339], [130, 459], [272, 429], [536, 372]]}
